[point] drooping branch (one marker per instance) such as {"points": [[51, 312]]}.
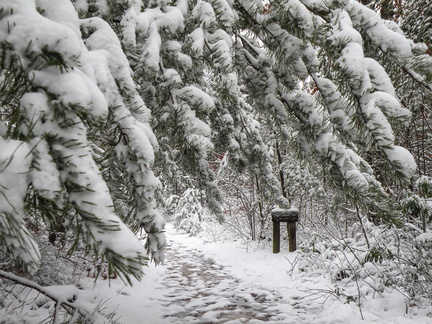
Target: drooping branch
{"points": [[60, 301]]}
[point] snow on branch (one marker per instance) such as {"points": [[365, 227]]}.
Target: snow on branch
{"points": [[61, 300]]}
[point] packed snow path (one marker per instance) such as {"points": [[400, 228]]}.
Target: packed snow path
{"points": [[228, 282], [191, 287], [198, 290]]}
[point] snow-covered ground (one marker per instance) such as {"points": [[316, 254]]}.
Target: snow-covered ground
{"points": [[229, 282]]}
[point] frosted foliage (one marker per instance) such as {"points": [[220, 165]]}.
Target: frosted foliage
{"points": [[197, 39], [151, 53], [343, 29], [138, 154], [149, 24], [17, 240], [367, 78], [368, 82], [379, 78], [277, 106], [172, 19], [271, 82], [139, 142], [220, 34], [311, 57], [197, 132], [147, 215], [93, 202], [196, 98], [182, 5], [378, 124], [324, 5], [390, 106], [345, 160], [204, 12], [111, 66], [129, 27], [83, 5], [292, 47], [232, 85], [44, 176], [171, 78], [299, 64], [79, 83], [34, 107], [145, 19], [304, 102], [337, 106], [97, 62], [148, 31], [154, 27], [393, 26], [63, 13], [103, 42], [73, 89], [188, 212], [403, 159], [391, 42], [259, 153], [353, 65], [14, 166], [302, 15], [49, 39], [14, 237], [225, 14], [221, 50], [173, 49]]}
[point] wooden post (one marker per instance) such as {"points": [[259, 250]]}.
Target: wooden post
{"points": [[276, 237], [290, 217], [292, 236]]}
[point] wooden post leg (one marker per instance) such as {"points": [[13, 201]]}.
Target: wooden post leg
{"points": [[291, 228], [276, 237]]}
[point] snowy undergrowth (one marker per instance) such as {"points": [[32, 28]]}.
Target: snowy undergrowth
{"points": [[322, 283], [389, 260], [362, 264], [327, 280], [54, 304], [186, 214], [186, 211], [59, 292]]}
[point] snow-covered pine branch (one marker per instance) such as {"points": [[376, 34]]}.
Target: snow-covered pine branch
{"points": [[70, 96], [105, 95]]}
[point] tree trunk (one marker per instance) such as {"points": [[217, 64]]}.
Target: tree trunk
{"points": [[281, 175]]}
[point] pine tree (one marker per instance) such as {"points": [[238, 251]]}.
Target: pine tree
{"points": [[76, 145], [105, 93], [416, 22]]}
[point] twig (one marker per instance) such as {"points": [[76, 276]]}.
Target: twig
{"points": [[59, 300]]}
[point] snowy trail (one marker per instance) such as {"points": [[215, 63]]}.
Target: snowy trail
{"points": [[198, 290], [228, 283], [191, 287]]}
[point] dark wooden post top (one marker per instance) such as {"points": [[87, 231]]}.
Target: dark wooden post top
{"points": [[285, 215], [290, 217]]}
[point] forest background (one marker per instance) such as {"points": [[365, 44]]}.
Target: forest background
{"points": [[118, 115]]}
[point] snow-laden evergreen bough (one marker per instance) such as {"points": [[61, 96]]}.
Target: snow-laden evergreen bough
{"points": [[66, 92], [92, 89], [212, 71]]}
